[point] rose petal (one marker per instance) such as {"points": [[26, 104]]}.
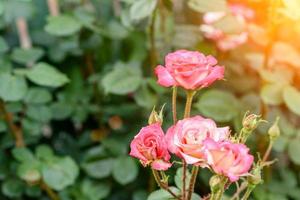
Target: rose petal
{"points": [[160, 165], [164, 77]]}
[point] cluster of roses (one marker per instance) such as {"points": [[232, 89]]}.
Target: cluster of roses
{"points": [[196, 140]]}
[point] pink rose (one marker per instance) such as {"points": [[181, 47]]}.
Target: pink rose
{"points": [[150, 146], [189, 69], [229, 159], [185, 138], [225, 41]]}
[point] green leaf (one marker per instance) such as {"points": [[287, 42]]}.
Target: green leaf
{"points": [[33, 191], [208, 6], [291, 97], [62, 25], [22, 154], [122, 80], [124, 170], [44, 152], [293, 150], [3, 45], [140, 195], [61, 110], [272, 94], [162, 194], [12, 88], [46, 75], [178, 178], [281, 143], [145, 97], [13, 188], [38, 95], [95, 190], [219, 105], [60, 173], [141, 9], [31, 127], [99, 169], [29, 171], [280, 75], [27, 56], [39, 113]]}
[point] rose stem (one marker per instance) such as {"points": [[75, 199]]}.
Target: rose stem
{"points": [[189, 99], [267, 153], [162, 185], [239, 190], [174, 101], [192, 181], [187, 111]]}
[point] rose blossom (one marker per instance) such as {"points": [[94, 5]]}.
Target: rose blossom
{"points": [[185, 138], [189, 69], [229, 159], [150, 146], [226, 41]]}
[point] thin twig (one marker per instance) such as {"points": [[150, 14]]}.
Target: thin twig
{"points": [[24, 38], [52, 195], [15, 131]]}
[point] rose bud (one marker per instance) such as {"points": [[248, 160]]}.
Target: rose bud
{"points": [[274, 131]]}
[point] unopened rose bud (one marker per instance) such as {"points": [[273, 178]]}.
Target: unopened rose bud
{"points": [[155, 117], [274, 131], [250, 122], [215, 183], [255, 177]]}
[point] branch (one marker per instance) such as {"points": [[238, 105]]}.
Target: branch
{"points": [[53, 7], [23, 33], [15, 131]]}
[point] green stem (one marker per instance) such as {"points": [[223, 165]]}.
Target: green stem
{"points": [[189, 99], [184, 167], [248, 192], [217, 194], [192, 181], [174, 101], [268, 151], [163, 185]]}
